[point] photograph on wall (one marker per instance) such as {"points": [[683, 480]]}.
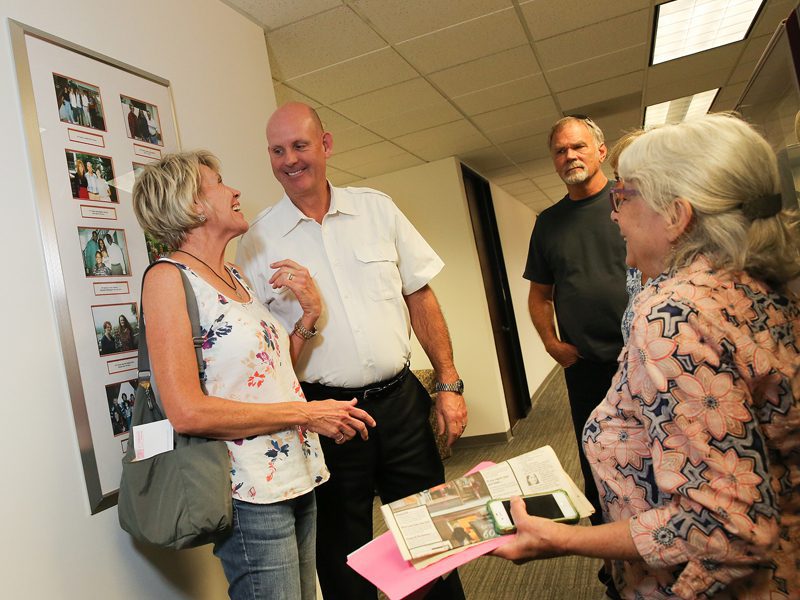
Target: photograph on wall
{"points": [[141, 120], [104, 252], [79, 103], [120, 398], [137, 168], [155, 249], [91, 176], [116, 328]]}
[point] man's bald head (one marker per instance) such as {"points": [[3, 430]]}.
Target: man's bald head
{"points": [[294, 112]]}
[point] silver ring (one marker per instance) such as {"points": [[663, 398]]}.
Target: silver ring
{"points": [[340, 438], [290, 276]]}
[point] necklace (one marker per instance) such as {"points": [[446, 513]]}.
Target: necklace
{"points": [[200, 260]]}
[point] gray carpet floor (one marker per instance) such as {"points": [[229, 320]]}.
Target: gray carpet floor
{"points": [[489, 578]]}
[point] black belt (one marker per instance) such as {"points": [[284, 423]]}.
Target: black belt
{"points": [[318, 391]]}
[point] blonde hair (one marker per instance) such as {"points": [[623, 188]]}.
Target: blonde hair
{"points": [[723, 169], [164, 194]]}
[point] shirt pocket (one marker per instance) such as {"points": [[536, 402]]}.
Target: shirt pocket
{"points": [[378, 262]]}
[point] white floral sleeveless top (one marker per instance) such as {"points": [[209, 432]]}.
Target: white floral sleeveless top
{"points": [[246, 351]]}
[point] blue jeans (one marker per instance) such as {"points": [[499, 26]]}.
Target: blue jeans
{"points": [[270, 552]]}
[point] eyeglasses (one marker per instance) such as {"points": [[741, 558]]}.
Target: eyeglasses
{"points": [[580, 117], [620, 194]]}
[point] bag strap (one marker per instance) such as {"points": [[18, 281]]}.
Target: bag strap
{"points": [[144, 374]]}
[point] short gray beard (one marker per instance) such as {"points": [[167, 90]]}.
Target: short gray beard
{"points": [[576, 177]]}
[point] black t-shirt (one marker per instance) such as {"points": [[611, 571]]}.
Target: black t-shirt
{"points": [[578, 249]]}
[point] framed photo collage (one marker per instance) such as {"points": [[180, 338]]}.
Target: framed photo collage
{"points": [[96, 124]]}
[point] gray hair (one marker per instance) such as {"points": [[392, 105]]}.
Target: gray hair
{"points": [[724, 169], [164, 194], [597, 133]]}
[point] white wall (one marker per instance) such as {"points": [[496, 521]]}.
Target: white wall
{"points": [[217, 64], [432, 197], [515, 223]]}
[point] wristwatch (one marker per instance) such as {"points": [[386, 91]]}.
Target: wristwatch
{"points": [[457, 386], [304, 333]]}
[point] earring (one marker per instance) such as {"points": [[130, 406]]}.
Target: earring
{"points": [[202, 217]]}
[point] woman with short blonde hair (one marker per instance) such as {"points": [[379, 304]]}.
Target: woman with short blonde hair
{"points": [[254, 401]]}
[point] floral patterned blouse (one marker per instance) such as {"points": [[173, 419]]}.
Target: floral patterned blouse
{"points": [[247, 359], [698, 440]]}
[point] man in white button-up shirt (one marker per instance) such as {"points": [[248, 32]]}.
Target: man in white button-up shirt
{"points": [[372, 268]]}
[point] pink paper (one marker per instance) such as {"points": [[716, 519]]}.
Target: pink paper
{"points": [[381, 563]]}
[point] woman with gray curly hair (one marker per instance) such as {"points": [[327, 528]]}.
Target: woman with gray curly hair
{"points": [[695, 448], [254, 401]]}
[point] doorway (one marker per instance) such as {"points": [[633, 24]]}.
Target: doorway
{"points": [[498, 294]]}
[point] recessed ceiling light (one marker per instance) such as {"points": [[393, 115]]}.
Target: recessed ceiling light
{"points": [[685, 27], [680, 109]]}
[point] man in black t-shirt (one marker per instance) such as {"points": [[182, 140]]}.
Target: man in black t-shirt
{"points": [[576, 265]]}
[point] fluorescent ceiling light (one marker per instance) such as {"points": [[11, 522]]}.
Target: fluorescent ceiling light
{"points": [[688, 26], [680, 109]]}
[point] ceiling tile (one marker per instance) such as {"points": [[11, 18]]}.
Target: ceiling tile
{"points": [[351, 160], [388, 165], [550, 181], [594, 40], [541, 108], [521, 129], [504, 175], [523, 186], [389, 101], [337, 35], [695, 64], [728, 97], [602, 90], [526, 149], [333, 121], [755, 48], [444, 140], [546, 18], [538, 167], [284, 94], [346, 79], [340, 178], [277, 13], [691, 83], [486, 71], [486, 160], [616, 123], [742, 72], [598, 68], [505, 94], [773, 13], [354, 137], [402, 123], [464, 42], [398, 21]]}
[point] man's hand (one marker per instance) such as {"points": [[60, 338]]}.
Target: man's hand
{"points": [[297, 278], [565, 354], [451, 415]]}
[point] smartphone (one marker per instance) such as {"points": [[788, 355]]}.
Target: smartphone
{"points": [[555, 506]]}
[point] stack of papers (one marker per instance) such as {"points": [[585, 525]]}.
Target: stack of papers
{"points": [[436, 530]]}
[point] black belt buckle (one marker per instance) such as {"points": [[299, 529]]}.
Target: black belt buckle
{"points": [[388, 385]]}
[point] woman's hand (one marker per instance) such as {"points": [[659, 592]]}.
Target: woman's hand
{"points": [[338, 419], [297, 278], [535, 538]]}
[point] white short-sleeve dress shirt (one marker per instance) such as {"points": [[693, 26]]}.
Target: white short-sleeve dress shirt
{"points": [[364, 257]]}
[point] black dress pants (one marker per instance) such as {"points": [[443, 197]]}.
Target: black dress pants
{"points": [[399, 458], [587, 385]]}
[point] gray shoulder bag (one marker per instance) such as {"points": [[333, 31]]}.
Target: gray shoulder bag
{"points": [[182, 498]]}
